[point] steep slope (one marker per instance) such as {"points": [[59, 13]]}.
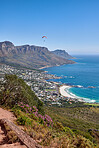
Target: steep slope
{"points": [[29, 56], [12, 136], [62, 53], [15, 90]]}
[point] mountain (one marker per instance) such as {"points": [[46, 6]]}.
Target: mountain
{"points": [[62, 53], [29, 56]]}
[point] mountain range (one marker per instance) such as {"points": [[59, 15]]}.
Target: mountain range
{"points": [[29, 56]]}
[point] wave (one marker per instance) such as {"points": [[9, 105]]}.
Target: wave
{"points": [[80, 86], [78, 97], [71, 77]]}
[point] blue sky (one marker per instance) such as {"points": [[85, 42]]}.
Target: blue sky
{"points": [[72, 25]]}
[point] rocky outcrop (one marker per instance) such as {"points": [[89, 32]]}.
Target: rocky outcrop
{"points": [[29, 56], [25, 139]]}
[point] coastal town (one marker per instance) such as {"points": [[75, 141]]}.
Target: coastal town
{"points": [[50, 92]]}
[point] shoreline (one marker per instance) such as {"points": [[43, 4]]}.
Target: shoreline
{"points": [[44, 67], [41, 68], [64, 91]]}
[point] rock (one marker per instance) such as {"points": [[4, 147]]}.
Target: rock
{"points": [[22, 136]]}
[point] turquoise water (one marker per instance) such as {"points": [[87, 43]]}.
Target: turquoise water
{"points": [[84, 73]]}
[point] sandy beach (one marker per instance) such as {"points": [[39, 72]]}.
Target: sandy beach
{"points": [[44, 67], [63, 91]]}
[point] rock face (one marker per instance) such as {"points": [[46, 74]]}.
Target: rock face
{"points": [[21, 135], [29, 56], [6, 48], [62, 53]]}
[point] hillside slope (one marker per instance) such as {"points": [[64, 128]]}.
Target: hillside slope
{"points": [[15, 90], [29, 56], [49, 126], [62, 53]]}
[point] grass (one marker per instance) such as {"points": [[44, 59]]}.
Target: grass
{"points": [[91, 104], [10, 135], [70, 127], [50, 89], [79, 119]]}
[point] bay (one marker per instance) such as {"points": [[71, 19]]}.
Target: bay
{"points": [[84, 73]]}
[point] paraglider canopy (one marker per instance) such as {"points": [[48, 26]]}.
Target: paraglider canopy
{"points": [[44, 37]]}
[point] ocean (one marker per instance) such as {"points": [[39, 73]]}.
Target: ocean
{"points": [[84, 74]]}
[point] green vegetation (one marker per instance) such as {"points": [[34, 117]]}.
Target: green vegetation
{"points": [[10, 136], [91, 104], [81, 120], [76, 127], [15, 90], [67, 103], [50, 89], [52, 136]]}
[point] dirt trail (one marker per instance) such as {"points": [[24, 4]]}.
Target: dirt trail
{"points": [[8, 115]]}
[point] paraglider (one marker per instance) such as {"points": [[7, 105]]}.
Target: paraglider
{"points": [[44, 37]]}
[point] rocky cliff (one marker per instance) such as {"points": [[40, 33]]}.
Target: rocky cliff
{"points": [[29, 56]]}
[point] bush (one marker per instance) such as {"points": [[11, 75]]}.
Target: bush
{"points": [[21, 120], [67, 130], [16, 90]]}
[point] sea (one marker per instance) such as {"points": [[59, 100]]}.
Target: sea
{"points": [[84, 74]]}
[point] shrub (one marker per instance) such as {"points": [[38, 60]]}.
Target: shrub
{"points": [[21, 120], [34, 114], [16, 90], [67, 130]]}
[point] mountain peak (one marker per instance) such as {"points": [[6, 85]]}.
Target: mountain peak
{"points": [[62, 53], [7, 43]]}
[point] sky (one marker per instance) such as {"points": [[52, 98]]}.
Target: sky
{"points": [[71, 25]]}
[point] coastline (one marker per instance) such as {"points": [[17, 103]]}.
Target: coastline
{"points": [[64, 91], [44, 67], [41, 68]]}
